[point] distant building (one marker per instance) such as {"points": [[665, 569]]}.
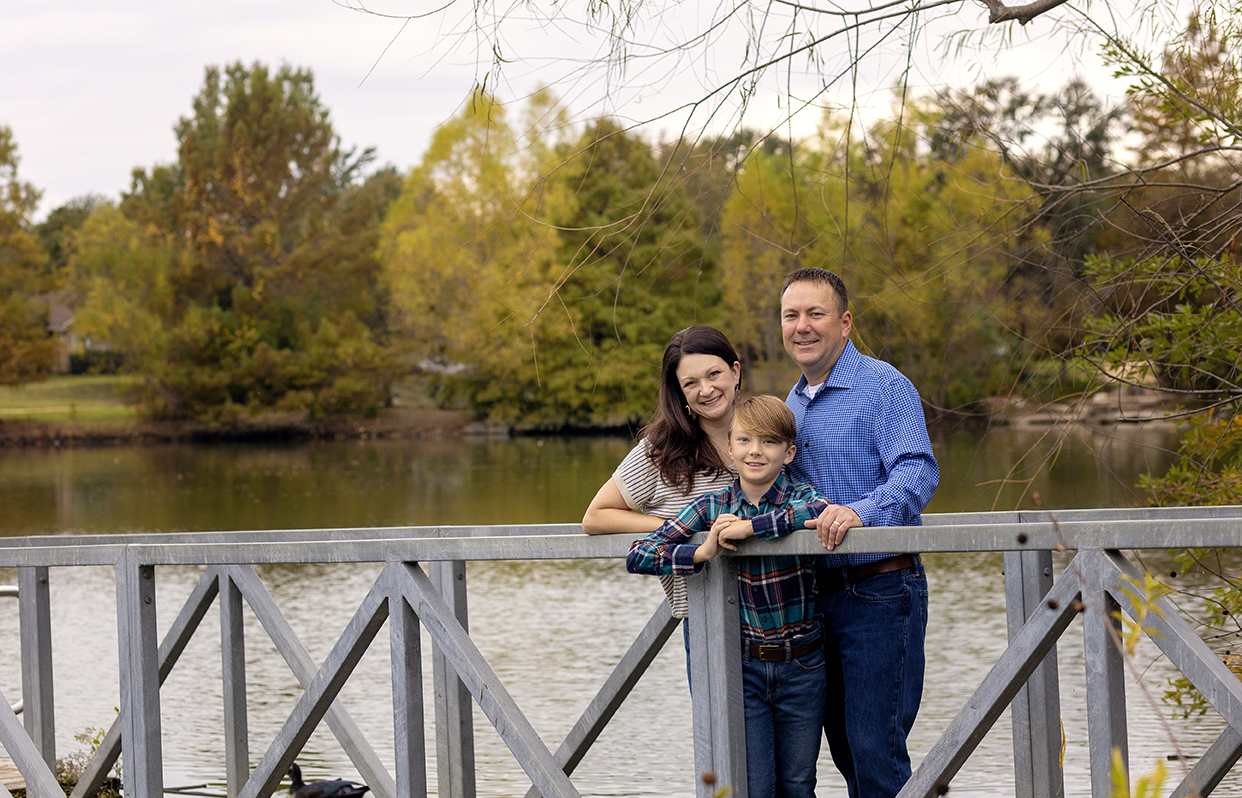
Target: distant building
{"points": [[60, 326]]}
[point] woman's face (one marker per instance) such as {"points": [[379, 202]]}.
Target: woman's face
{"points": [[708, 385]]}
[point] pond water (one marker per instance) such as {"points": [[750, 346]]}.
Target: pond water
{"points": [[551, 630]]}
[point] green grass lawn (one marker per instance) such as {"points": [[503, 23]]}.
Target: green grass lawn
{"points": [[70, 398]]}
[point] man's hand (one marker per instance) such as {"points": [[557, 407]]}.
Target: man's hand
{"points": [[832, 523], [733, 532]]}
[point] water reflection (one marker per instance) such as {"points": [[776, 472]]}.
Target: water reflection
{"points": [[525, 480], [552, 631]]}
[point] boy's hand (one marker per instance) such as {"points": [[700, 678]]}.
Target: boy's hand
{"points": [[710, 547], [722, 522], [733, 532], [832, 524]]}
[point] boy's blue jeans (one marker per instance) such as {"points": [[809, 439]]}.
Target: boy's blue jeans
{"points": [[784, 705]]}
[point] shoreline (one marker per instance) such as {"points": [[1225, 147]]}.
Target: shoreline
{"points": [[438, 424], [25, 433]]}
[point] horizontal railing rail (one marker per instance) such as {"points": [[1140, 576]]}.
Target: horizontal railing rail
{"points": [[403, 597]]}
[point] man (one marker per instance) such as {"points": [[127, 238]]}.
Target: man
{"points": [[863, 443]]}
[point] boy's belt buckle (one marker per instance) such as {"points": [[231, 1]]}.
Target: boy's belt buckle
{"points": [[772, 652]]}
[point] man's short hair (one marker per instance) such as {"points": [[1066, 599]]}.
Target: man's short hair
{"points": [[823, 277], [765, 417]]}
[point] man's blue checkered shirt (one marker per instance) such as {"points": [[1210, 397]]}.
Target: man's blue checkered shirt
{"points": [[862, 442]]}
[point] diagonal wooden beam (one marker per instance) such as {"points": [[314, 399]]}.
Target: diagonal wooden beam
{"points": [[321, 690], [1212, 767], [615, 690], [997, 690], [177, 638], [482, 682], [299, 660], [40, 783], [1179, 642]]}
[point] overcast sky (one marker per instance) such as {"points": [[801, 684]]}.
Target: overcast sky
{"points": [[92, 90]]}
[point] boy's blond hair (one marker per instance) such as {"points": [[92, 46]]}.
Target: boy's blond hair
{"points": [[765, 417]]}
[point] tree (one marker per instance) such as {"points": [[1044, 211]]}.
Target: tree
{"points": [[768, 225], [121, 273], [261, 289], [1166, 296], [542, 281], [27, 350], [931, 248], [630, 271], [56, 231]]}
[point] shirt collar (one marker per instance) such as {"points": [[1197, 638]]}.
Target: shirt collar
{"points": [[775, 495], [842, 374]]}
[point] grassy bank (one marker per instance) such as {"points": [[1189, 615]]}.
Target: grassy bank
{"points": [[96, 411], [60, 399]]}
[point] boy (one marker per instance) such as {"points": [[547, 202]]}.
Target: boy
{"points": [[782, 657]]}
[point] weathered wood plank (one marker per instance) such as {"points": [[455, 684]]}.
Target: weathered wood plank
{"points": [[35, 619], [455, 771], [39, 781], [138, 638]]}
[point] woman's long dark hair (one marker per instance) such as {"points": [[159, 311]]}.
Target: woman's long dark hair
{"points": [[676, 444]]}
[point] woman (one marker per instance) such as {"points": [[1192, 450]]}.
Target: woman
{"points": [[681, 455]]}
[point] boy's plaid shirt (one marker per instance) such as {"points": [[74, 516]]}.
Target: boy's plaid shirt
{"points": [[777, 594]]}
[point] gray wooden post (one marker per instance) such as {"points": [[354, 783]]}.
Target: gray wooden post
{"points": [[1037, 708], [1106, 689], [233, 654], [35, 613], [409, 741], [716, 679], [454, 706], [140, 677]]}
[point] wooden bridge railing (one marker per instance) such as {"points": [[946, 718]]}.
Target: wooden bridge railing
{"points": [[1097, 583]]}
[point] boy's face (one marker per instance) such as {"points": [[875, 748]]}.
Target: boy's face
{"points": [[758, 460]]}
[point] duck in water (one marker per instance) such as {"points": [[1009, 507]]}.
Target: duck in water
{"points": [[337, 788]]}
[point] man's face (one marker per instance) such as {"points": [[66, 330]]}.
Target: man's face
{"points": [[813, 329]]}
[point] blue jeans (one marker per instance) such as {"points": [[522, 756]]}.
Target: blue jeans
{"points": [[873, 645], [783, 703]]}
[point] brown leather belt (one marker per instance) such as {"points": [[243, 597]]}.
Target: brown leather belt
{"points": [[839, 579], [780, 652]]}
